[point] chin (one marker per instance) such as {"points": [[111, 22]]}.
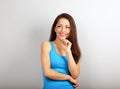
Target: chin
{"points": [[61, 38]]}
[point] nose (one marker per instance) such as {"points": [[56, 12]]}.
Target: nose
{"points": [[63, 29]]}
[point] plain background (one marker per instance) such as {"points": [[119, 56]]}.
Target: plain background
{"points": [[24, 24]]}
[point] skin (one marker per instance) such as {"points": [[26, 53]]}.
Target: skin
{"points": [[63, 47]]}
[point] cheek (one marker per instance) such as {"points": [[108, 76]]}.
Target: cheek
{"points": [[68, 31], [68, 35], [57, 30]]}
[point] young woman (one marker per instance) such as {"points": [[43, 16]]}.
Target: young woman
{"points": [[60, 56]]}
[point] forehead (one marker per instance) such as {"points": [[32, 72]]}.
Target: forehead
{"points": [[63, 21]]}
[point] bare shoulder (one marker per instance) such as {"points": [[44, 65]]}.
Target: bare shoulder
{"points": [[45, 45]]}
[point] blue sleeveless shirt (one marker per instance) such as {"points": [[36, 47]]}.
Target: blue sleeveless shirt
{"points": [[59, 64]]}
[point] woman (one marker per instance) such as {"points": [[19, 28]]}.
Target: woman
{"points": [[60, 56]]}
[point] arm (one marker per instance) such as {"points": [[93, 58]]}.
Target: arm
{"points": [[73, 67], [45, 61]]}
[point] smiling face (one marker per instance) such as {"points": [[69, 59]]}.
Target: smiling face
{"points": [[62, 29]]}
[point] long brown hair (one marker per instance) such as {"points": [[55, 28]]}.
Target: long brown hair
{"points": [[73, 35]]}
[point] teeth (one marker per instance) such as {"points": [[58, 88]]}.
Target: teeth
{"points": [[62, 34]]}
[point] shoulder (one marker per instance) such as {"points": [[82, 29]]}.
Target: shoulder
{"points": [[45, 45]]}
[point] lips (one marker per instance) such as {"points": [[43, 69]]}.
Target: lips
{"points": [[62, 34]]}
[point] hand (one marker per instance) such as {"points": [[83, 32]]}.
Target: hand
{"points": [[66, 44], [74, 81], [77, 83]]}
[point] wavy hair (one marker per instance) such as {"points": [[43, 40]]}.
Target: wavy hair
{"points": [[76, 52]]}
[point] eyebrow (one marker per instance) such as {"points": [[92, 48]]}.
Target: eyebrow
{"points": [[65, 25]]}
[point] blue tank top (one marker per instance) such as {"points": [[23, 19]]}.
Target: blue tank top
{"points": [[58, 63]]}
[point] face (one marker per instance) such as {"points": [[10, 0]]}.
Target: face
{"points": [[62, 29]]}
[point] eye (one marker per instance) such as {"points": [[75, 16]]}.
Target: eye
{"points": [[68, 27], [58, 26]]}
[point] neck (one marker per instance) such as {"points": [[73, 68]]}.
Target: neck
{"points": [[58, 42]]}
